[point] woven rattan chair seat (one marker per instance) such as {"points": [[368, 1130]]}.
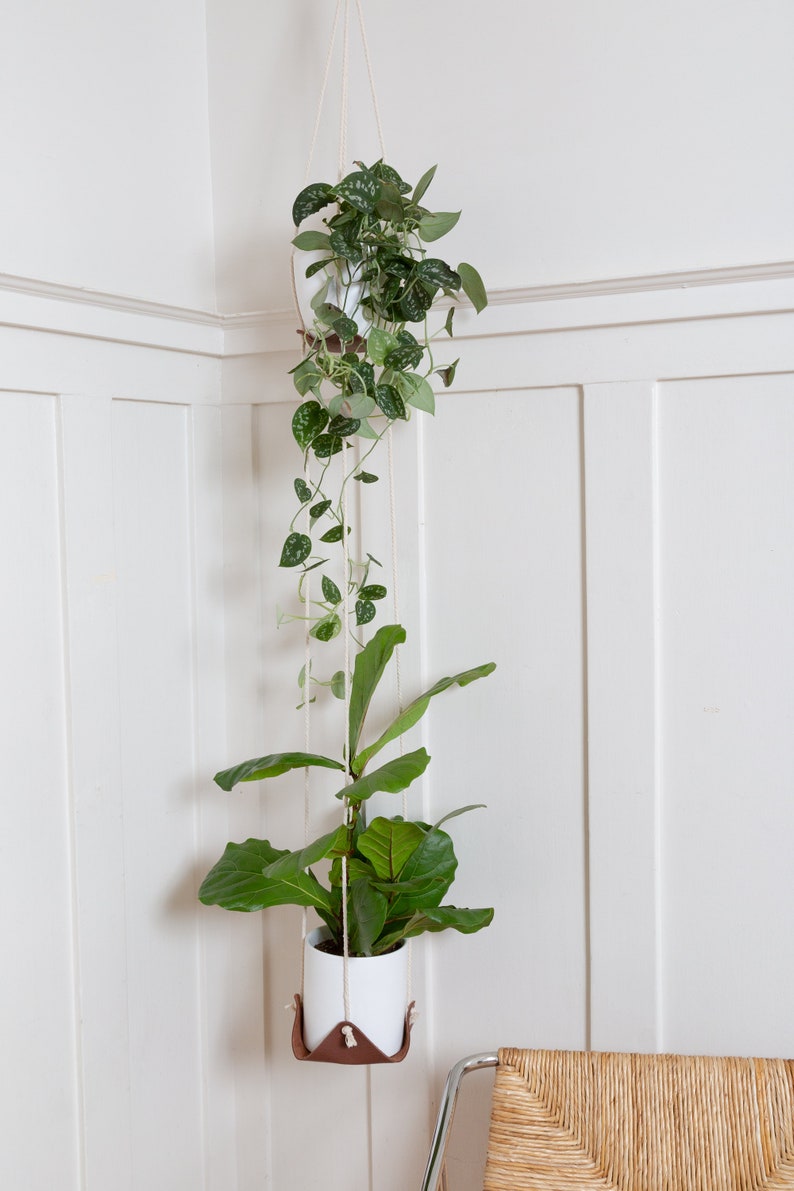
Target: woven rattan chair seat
{"points": [[618, 1122]]}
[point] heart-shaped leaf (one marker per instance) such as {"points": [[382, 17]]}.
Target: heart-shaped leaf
{"points": [[343, 426], [331, 592], [437, 272], [317, 510], [389, 401], [326, 445], [365, 611], [307, 422], [303, 491], [373, 591], [417, 392], [295, 550], [313, 198], [361, 190], [334, 534], [326, 629], [366, 477], [379, 342]]}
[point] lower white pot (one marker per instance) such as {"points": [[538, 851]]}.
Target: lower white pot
{"points": [[378, 987]]}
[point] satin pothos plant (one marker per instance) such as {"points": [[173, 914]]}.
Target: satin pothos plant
{"points": [[396, 871], [368, 364]]}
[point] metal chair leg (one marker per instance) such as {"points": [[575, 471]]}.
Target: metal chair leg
{"points": [[435, 1178]]}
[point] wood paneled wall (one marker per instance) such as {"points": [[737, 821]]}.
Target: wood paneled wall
{"points": [[604, 507]]}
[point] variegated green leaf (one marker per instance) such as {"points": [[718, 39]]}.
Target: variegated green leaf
{"points": [[295, 550], [313, 198], [361, 190], [307, 422]]}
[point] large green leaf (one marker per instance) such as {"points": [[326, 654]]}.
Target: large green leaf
{"points": [[414, 711], [434, 226], [367, 915], [430, 870], [389, 844], [313, 198], [473, 286], [272, 766], [361, 190], [391, 778], [308, 421], [434, 919], [237, 881], [367, 673]]}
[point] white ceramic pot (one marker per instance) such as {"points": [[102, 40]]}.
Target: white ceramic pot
{"points": [[347, 298], [378, 994]]}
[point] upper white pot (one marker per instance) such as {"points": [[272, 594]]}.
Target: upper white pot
{"points": [[378, 987], [346, 297]]}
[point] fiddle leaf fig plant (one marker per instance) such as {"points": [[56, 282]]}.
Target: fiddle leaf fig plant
{"points": [[368, 364], [397, 871]]}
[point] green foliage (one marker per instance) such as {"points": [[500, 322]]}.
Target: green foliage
{"points": [[368, 360], [399, 871], [368, 364]]}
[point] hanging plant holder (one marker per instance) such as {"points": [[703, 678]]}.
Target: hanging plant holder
{"points": [[362, 371], [335, 1047]]}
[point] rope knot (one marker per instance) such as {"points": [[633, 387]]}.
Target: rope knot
{"points": [[350, 1038]]}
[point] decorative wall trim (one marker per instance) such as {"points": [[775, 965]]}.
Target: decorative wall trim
{"points": [[33, 304]]}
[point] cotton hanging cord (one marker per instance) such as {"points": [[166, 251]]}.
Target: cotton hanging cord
{"points": [[396, 605], [313, 145], [371, 77], [344, 103], [349, 1036], [307, 662]]}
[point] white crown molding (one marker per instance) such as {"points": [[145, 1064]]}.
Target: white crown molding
{"points": [[31, 304]]}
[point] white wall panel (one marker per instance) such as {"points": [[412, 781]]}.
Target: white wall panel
{"points": [[622, 746], [643, 648], [727, 552], [38, 1014], [503, 514]]}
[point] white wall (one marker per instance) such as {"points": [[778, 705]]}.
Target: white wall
{"points": [[618, 457], [583, 141], [105, 147]]}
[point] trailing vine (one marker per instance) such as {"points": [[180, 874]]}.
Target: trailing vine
{"points": [[363, 368]]}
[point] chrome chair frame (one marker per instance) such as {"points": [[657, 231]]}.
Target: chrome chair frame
{"points": [[435, 1177]]}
